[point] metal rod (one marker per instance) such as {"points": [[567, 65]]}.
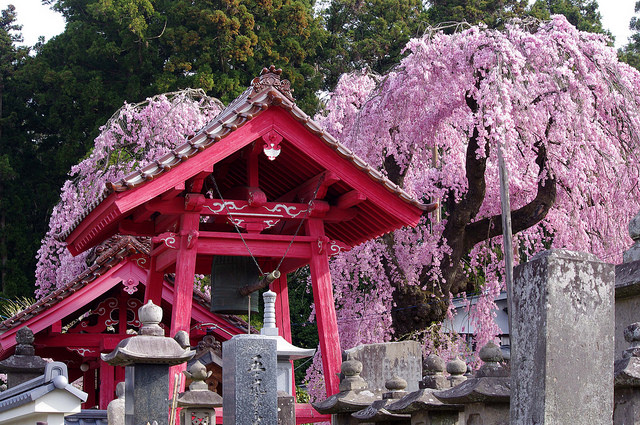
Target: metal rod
{"points": [[263, 282], [506, 235]]}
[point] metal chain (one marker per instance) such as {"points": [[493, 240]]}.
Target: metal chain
{"points": [[306, 214], [224, 204]]}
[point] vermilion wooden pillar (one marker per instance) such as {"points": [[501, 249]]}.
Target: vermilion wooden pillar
{"points": [[325, 308], [283, 322], [107, 384], [153, 290], [185, 271], [89, 387]]}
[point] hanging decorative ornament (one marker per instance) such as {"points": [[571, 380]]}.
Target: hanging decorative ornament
{"points": [[272, 146]]}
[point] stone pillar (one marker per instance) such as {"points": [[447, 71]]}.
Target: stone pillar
{"points": [[24, 365], [486, 396], [147, 358], [249, 380], [627, 380], [562, 340], [286, 409], [456, 368]]}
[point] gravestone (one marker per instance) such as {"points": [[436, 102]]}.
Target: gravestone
{"points": [[199, 403], [249, 380], [562, 340], [24, 365], [628, 288], [382, 361]]}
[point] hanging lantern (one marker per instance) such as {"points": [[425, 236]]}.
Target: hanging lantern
{"points": [[228, 275]]}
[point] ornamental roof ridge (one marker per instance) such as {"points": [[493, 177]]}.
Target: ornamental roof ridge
{"points": [[265, 91]]}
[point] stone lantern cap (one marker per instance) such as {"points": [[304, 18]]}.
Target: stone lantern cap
{"points": [[423, 399], [353, 395], [151, 346], [490, 385], [377, 411]]}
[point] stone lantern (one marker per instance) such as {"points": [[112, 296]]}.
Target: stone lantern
{"points": [[286, 352], [199, 403], [147, 358]]}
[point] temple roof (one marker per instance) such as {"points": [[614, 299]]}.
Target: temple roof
{"points": [[297, 162], [104, 258]]}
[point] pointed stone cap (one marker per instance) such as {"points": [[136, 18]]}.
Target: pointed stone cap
{"points": [[377, 411], [151, 346], [396, 387], [432, 368], [456, 369], [490, 385], [284, 349], [199, 395], [492, 357], [353, 395]]}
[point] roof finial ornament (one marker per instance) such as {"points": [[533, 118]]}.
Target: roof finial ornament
{"points": [[270, 77]]}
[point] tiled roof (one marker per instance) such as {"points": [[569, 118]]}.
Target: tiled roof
{"points": [[103, 257], [265, 91]]}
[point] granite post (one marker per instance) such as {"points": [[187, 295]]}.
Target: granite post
{"points": [[249, 380], [24, 365], [147, 358], [562, 340]]}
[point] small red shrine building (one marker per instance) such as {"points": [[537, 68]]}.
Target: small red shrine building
{"points": [[283, 191], [95, 311]]}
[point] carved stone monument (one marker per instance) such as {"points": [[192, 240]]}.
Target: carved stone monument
{"points": [[563, 324], [147, 358], [249, 380]]}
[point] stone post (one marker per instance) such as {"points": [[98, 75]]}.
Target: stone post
{"points": [[456, 369], [353, 396], [249, 380], [199, 403], [147, 358], [562, 340], [24, 365], [486, 396], [626, 380]]}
